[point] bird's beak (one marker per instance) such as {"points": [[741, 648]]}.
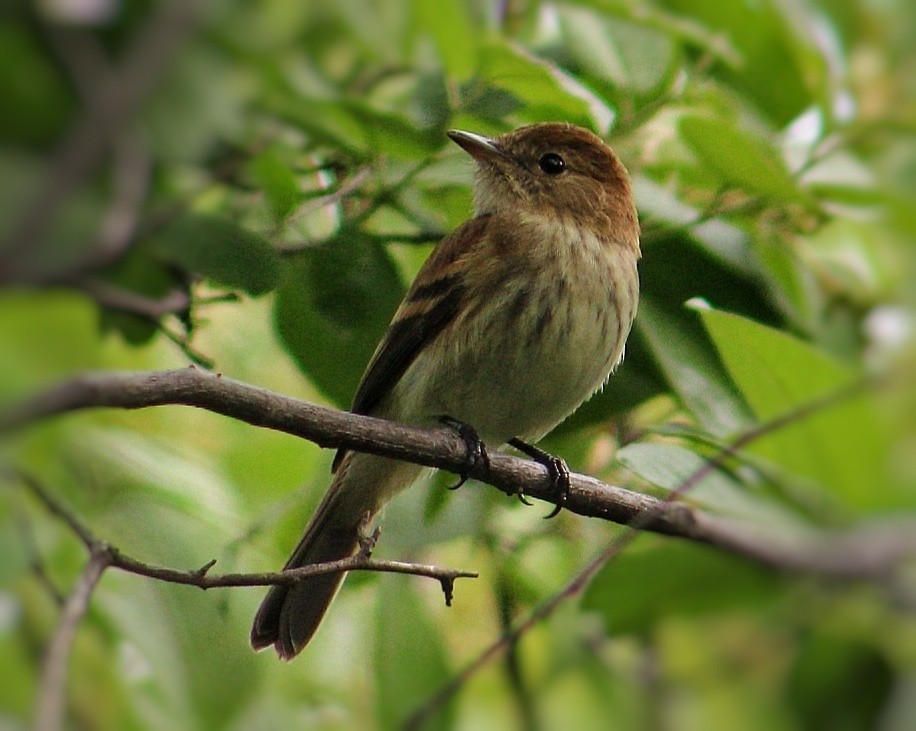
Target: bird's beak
{"points": [[482, 149]]}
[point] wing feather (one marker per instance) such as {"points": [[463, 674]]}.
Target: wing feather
{"points": [[433, 301]]}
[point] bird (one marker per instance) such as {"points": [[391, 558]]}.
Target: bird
{"points": [[516, 318]]}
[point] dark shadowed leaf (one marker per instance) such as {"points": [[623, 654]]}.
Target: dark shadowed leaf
{"points": [[333, 307], [221, 251], [839, 682], [648, 583]]}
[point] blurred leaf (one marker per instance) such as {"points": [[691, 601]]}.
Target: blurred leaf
{"points": [[843, 447], [546, 91], [278, 182], [627, 57], [750, 163], [769, 49], [847, 257], [326, 121], [392, 135], [216, 248], [410, 661], [198, 102], [839, 683], [674, 270], [681, 27], [333, 307], [649, 583], [692, 370], [32, 85], [669, 467], [447, 24]]}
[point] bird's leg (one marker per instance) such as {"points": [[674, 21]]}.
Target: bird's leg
{"points": [[476, 450], [556, 466], [367, 536]]}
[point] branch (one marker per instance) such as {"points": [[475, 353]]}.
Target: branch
{"points": [[51, 696], [870, 552], [52, 691], [115, 100], [857, 545], [203, 579]]}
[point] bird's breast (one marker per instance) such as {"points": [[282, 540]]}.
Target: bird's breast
{"points": [[533, 342]]}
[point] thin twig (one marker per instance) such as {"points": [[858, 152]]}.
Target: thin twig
{"points": [[113, 297], [51, 698], [203, 579], [52, 690]]}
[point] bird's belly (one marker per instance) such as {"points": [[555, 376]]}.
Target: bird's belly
{"points": [[516, 377]]}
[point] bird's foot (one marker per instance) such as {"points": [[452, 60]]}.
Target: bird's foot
{"points": [[476, 450], [557, 469]]}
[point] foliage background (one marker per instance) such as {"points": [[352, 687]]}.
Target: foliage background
{"points": [[157, 157]]}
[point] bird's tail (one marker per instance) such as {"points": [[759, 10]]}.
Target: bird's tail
{"points": [[290, 613]]}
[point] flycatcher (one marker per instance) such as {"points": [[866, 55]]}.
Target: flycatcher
{"points": [[516, 318]]}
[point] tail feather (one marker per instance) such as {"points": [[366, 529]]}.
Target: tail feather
{"points": [[290, 613]]}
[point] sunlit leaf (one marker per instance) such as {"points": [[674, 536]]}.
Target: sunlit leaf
{"points": [[627, 56], [778, 67], [546, 90], [448, 25], [841, 447], [740, 159]]}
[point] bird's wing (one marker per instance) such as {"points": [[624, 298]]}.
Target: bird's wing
{"points": [[431, 303]]}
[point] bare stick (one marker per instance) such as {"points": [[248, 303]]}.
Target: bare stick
{"points": [[52, 691]]}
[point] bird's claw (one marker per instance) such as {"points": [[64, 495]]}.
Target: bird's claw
{"points": [[558, 474], [476, 450]]}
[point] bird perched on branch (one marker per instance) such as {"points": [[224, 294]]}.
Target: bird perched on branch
{"points": [[516, 318]]}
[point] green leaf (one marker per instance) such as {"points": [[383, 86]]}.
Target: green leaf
{"points": [[35, 93], [669, 467], [221, 251], [691, 367], [779, 67], [327, 121], [410, 661], [392, 135], [278, 182], [546, 91], [739, 159], [448, 24], [675, 269], [839, 682], [333, 308], [139, 271], [650, 583], [842, 448], [626, 56]]}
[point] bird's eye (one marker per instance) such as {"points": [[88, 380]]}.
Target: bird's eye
{"points": [[552, 163]]}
